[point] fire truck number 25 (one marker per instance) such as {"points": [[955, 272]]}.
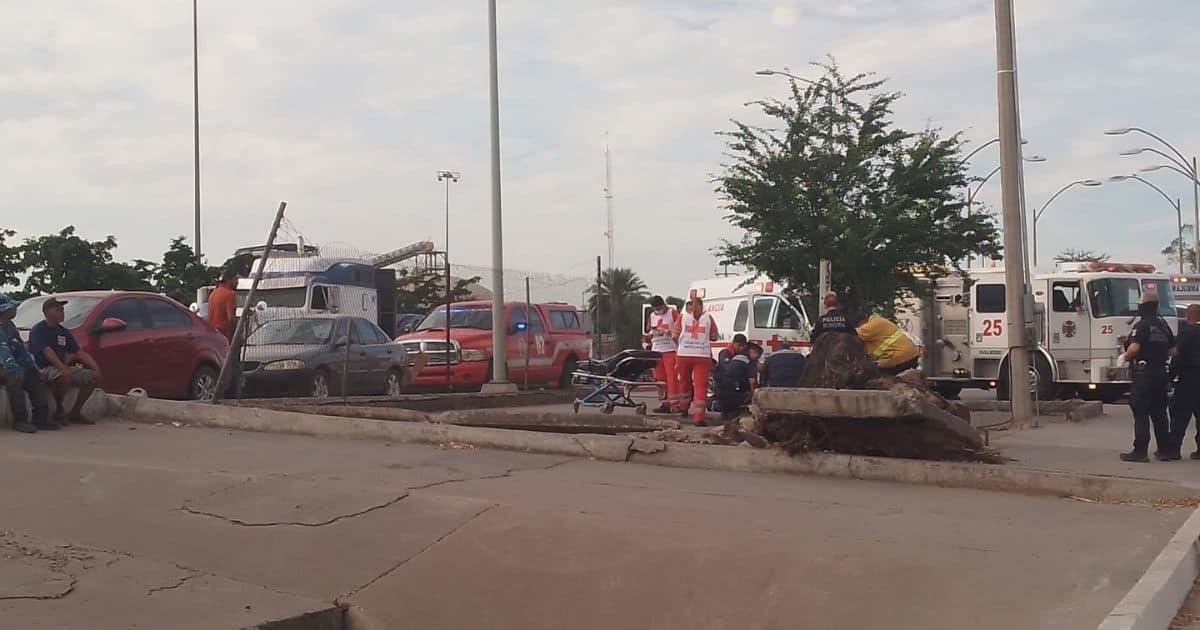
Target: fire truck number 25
{"points": [[993, 327]]}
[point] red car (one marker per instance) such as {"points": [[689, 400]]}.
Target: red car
{"points": [[140, 340]]}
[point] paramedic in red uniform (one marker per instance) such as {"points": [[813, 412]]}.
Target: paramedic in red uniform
{"points": [[695, 331], [662, 322]]}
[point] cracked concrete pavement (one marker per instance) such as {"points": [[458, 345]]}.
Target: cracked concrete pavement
{"points": [[122, 526]]}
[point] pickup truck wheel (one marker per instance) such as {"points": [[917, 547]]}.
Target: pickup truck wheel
{"points": [[320, 384], [395, 384], [564, 381], [203, 385]]}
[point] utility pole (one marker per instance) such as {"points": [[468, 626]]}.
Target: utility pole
{"points": [[608, 203], [824, 282], [196, 116], [1014, 247]]}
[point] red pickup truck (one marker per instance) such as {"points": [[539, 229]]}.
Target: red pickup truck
{"points": [[553, 337]]}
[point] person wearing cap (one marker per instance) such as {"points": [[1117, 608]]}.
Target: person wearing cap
{"points": [[1148, 350], [1185, 367], [19, 375], [783, 367], [64, 365], [736, 378]]}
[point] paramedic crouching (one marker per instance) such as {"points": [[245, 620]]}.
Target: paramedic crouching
{"points": [[1149, 347]]}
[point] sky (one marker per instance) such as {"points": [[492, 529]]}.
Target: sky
{"points": [[347, 108]]}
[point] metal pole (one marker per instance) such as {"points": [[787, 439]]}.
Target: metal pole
{"points": [[1179, 220], [970, 203], [596, 324], [499, 350], [239, 332], [1014, 251], [449, 297], [528, 328], [196, 116], [1033, 235], [1196, 224]]}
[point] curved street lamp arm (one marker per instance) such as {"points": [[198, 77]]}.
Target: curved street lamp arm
{"points": [[1160, 191], [1164, 142], [1056, 195], [972, 195], [1181, 172], [1172, 159], [980, 148]]}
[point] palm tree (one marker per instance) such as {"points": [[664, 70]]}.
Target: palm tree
{"points": [[617, 304]]}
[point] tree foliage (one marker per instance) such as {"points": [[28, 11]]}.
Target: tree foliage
{"points": [[420, 290], [66, 262], [10, 259], [1070, 255], [836, 179], [617, 305], [1171, 251], [181, 273]]}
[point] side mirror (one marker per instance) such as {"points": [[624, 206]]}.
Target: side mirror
{"points": [[112, 325], [341, 342]]}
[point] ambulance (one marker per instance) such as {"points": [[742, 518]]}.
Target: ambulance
{"points": [[1082, 314], [753, 306]]}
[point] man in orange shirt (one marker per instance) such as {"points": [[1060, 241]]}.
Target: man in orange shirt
{"points": [[222, 304], [222, 315]]}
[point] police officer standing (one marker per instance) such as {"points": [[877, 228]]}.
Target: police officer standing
{"points": [[1185, 367], [1148, 350], [834, 319]]}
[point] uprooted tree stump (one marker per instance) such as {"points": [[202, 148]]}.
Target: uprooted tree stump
{"points": [[892, 416]]}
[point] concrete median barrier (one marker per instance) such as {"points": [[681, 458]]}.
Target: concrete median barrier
{"points": [[645, 451]]}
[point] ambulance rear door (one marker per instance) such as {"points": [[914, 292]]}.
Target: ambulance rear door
{"points": [[775, 321]]}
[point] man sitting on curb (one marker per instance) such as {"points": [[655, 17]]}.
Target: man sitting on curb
{"points": [[19, 374], [63, 363]]}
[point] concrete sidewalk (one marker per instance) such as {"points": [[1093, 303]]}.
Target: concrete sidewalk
{"points": [[124, 525], [1092, 447]]}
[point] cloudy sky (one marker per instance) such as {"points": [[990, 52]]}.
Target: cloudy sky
{"points": [[346, 108]]}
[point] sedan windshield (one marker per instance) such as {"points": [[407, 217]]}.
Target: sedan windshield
{"points": [[1118, 297], [76, 309], [460, 317], [292, 332]]}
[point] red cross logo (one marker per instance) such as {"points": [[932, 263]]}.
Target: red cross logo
{"points": [[1068, 329], [695, 329]]}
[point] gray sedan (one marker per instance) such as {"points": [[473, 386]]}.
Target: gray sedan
{"points": [[319, 355]]}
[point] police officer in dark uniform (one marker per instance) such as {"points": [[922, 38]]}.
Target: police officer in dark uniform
{"points": [[1185, 368], [1148, 350], [834, 319], [736, 380]]}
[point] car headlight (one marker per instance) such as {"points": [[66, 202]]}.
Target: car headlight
{"points": [[288, 364], [474, 355]]}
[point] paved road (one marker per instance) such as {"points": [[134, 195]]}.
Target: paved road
{"points": [[121, 526]]}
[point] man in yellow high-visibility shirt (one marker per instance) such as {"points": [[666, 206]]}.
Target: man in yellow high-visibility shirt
{"points": [[888, 346]]}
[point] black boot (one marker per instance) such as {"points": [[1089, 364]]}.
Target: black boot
{"points": [[24, 427], [1136, 457], [1167, 456]]}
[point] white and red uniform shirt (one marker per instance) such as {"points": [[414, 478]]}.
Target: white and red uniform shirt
{"points": [[695, 335], [660, 331]]}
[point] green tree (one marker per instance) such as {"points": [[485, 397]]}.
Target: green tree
{"points": [[65, 262], [617, 305], [835, 179], [1171, 251], [11, 265], [422, 290], [1070, 255], [180, 273]]}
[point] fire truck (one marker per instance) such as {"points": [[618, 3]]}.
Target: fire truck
{"points": [[1082, 314]]}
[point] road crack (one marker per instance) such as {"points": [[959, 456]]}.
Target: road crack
{"points": [[340, 517], [341, 599], [178, 583]]}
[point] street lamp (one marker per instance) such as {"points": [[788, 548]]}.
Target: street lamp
{"points": [[499, 332], [1189, 170], [196, 116], [785, 73], [449, 177], [971, 194], [1174, 204], [1091, 183]]}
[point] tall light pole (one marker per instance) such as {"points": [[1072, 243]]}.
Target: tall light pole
{"points": [[448, 177], [1016, 292], [1174, 204], [1091, 183], [972, 193], [499, 330], [196, 116], [1188, 169]]}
